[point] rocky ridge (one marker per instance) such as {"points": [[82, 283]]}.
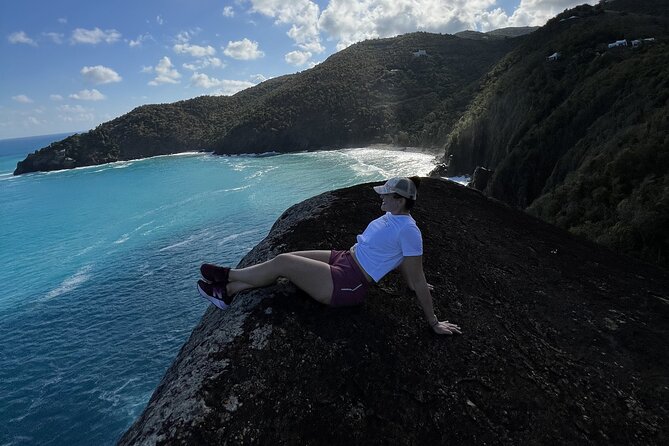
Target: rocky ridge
{"points": [[564, 342]]}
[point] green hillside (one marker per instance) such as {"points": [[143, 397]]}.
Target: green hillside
{"points": [[581, 141]]}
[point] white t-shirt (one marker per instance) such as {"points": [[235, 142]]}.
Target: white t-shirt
{"points": [[385, 242]]}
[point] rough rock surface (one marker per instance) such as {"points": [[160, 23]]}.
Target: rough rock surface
{"points": [[564, 342]]}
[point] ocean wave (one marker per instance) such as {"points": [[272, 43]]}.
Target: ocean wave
{"points": [[261, 172], [234, 236], [116, 396], [153, 229], [180, 154], [463, 179], [143, 226], [87, 249], [254, 155], [188, 241], [124, 238], [71, 283], [178, 204]]}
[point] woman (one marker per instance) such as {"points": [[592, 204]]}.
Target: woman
{"points": [[341, 278]]}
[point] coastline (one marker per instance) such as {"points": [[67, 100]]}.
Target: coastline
{"points": [[387, 147]]}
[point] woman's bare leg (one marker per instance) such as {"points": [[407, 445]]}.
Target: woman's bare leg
{"points": [[310, 275], [320, 255]]}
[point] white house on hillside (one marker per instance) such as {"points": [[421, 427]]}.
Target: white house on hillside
{"points": [[553, 57], [420, 53]]}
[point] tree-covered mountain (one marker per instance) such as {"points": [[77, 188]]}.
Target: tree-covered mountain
{"points": [[501, 33], [581, 140], [384, 90]]}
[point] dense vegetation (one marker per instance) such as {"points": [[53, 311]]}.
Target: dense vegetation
{"points": [[377, 91], [582, 141]]}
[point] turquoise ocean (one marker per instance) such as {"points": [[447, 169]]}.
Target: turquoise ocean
{"points": [[98, 268]]}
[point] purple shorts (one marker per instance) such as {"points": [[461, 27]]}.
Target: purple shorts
{"points": [[350, 283]]}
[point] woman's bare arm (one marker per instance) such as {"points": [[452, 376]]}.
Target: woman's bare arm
{"points": [[412, 270]]}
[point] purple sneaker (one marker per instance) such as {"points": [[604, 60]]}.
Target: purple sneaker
{"points": [[214, 293], [215, 274]]}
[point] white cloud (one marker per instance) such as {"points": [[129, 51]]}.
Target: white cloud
{"points": [[56, 97], [538, 12], [297, 58], [146, 69], [21, 37], [199, 64], [62, 20], [165, 73], [140, 40], [194, 50], [224, 86], [350, 21], [100, 75], [228, 11], [301, 15], [75, 113], [160, 20], [22, 99], [94, 36], [185, 36], [55, 37], [243, 50], [88, 95], [32, 121], [72, 108], [259, 78]]}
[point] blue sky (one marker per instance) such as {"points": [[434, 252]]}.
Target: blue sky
{"points": [[69, 65]]}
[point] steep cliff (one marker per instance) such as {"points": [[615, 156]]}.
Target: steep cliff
{"points": [[564, 342]]}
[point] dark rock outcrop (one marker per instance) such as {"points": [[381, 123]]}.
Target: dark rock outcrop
{"points": [[480, 178], [564, 342]]}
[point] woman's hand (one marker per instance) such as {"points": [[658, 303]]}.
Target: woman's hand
{"points": [[446, 327]]}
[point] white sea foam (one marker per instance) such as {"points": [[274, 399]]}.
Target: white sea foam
{"points": [[189, 240], [463, 179], [124, 238], [72, 282], [87, 249], [234, 236], [153, 229], [116, 396], [261, 173], [143, 225]]}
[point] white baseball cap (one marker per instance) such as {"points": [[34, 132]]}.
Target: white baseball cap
{"points": [[400, 185]]}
